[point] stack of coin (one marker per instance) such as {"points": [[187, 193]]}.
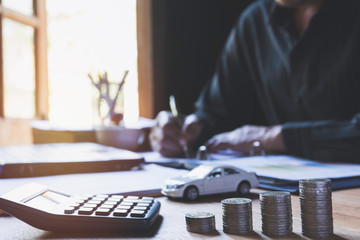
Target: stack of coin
{"points": [[276, 213], [316, 208], [237, 215], [200, 222]]}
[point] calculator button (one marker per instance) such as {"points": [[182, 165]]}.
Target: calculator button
{"points": [[111, 202], [148, 199], [101, 199], [132, 197], [123, 207], [131, 200], [120, 212], [97, 202], [80, 201], [69, 210], [74, 205], [136, 213], [86, 211], [127, 204], [140, 208], [105, 205], [143, 205], [103, 212], [82, 197], [117, 197], [88, 205]]}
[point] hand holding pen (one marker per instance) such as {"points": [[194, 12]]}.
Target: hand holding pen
{"points": [[167, 138], [175, 112]]}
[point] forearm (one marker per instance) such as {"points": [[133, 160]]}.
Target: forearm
{"points": [[273, 140], [324, 140]]}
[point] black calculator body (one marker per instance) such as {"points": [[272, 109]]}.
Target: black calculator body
{"points": [[52, 210]]}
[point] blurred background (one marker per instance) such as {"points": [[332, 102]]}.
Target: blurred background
{"points": [[48, 48]]}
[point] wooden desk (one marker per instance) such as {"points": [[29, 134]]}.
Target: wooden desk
{"points": [[346, 213]]}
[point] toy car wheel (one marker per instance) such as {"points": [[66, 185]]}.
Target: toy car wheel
{"points": [[243, 188], [191, 193]]}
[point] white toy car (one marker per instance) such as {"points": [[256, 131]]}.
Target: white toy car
{"points": [[210, 179]]}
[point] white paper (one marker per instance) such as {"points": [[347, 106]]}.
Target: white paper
{"points": [[292, 168], [149, 180]]}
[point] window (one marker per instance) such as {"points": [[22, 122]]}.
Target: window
{"points": [[23, 65], [88, 36], [229, 171], [215, 173], [47, 49]]}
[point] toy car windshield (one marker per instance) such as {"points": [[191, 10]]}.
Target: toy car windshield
{"points": [[199, 172]]}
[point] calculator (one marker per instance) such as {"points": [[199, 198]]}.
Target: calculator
{"points": [[51, 210]]}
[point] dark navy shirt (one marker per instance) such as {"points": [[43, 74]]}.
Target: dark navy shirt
{"points": [[268, 74]]}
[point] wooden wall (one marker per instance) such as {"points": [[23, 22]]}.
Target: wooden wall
{"points": [[183, 39], [15, 132]]}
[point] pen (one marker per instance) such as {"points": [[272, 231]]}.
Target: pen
{"points": [[175, 113]]}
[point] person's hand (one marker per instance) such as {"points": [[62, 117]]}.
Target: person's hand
{"points": [[168, 137], [241, 139]]}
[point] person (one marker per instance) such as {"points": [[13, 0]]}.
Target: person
{"points": [[289, 77]]}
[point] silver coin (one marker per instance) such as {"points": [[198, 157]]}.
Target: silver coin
{"points": [[199, 215], [277, 230], [323, 231], [316, 212], [319, 226], [316, 197], [274, 208], [236, 231], [276, 213], [316, 207], [305, 206], [313, 204], [311, 188], [316, 222], [237, 215], [314, 193], [317, 231], [315, 181], [200, 222], [276, 233], [316, 200], [236, 201], [275, 194]]}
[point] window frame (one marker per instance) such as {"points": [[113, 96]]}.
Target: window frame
{"points": [[149, 97], [150, 39], [38, 22]]}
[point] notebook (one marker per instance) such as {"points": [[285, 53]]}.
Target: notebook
{"points": [[64, 158]]}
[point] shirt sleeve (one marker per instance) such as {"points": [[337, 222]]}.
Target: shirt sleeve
{"points": [[229, 100], [324, 140]]}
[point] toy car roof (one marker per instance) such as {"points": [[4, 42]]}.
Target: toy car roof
{"points": [[217, 165]]}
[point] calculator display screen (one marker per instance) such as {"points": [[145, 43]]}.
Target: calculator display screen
{"points": [[47, 201]]}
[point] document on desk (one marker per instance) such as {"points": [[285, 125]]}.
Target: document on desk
{"points": [[188, 163], [147, 181], [276, 172], [280, 172], [293, 168]]}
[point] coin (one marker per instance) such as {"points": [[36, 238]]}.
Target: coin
{"points": [[237, 215], [316, 208], [276, 213], [200, 222]]}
